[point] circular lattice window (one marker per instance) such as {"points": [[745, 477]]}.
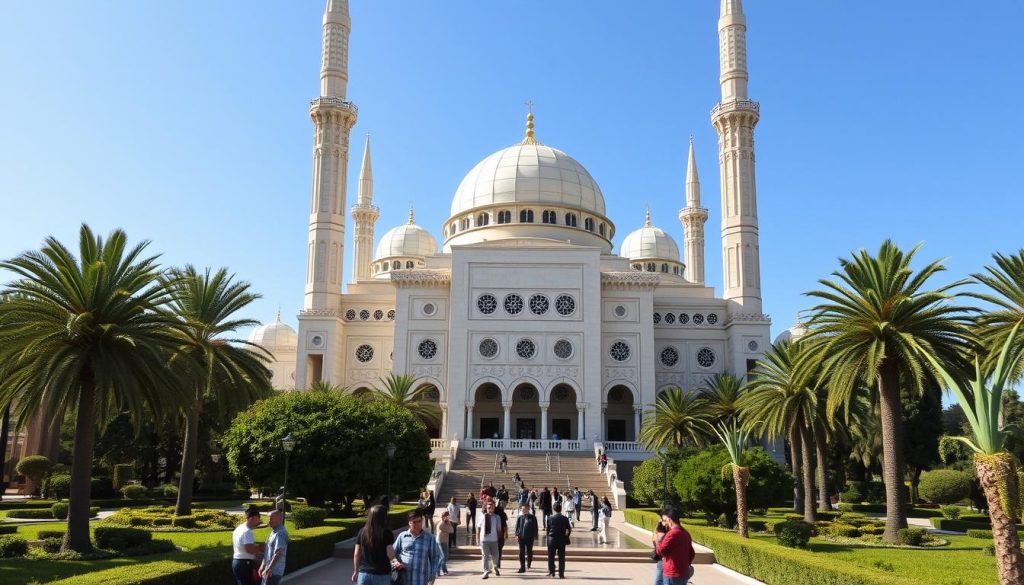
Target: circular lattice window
{"points": [[705, 357], [657, 318], [488, 348], [563, 349], [619, 351], [364, 353], [378, 315], [712, 318], [486, 303], [429, 309], [620, 311], [752, 345], [350, 314], [684, 318], [427, 349], [391, 315], [513, 304], [539, 304], [565, 305], [364, 314], [698, 319], [526, 349], [670, 318], [669, 357]]}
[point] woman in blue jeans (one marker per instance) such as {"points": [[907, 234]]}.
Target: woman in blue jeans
{"points": [[374, 552]]}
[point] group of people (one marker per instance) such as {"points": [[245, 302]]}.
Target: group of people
{"points": [[246, 550]]}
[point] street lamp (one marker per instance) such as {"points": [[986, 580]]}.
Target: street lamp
{"points": [[215, 457], [288, 444], [390, 447]]}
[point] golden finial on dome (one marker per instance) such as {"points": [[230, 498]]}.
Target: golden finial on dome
{"points": [[529, 125], [411, 216], [647, 221], [279, 312]]}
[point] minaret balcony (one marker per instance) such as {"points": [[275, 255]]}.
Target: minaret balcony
{"points": [[740, 104], [334, 102]]}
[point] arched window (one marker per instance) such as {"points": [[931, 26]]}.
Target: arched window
{"points": [[570, 219], [483, 219], [396, 265], [664, 268], [464, 224], [384, 266], [504, 217], [652, 267], [549, 217], [601, 229], [526, 216], [409, 264], [675, 270], [588, 224], [639, 267], [453, 228]]}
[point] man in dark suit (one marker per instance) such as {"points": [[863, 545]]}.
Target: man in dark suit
{"points": [[526, 532], [559, 530], [545, 505]]}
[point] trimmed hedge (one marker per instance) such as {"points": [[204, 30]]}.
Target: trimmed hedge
{"points": [[773, 564], [43, 514], [121, 537], [962, 525], [8, 529], [978, 533], [880, 510], [308, 517], [12, 546]]}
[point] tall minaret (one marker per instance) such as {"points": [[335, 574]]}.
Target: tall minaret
{"points": [[333, 117], [734, 118], [364, 215], [693, 217]]}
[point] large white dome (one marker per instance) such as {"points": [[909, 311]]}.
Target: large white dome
{"points": [[409, 240], [649, 243], [277, 334], [528, 174]]}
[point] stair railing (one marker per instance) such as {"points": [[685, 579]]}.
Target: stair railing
{"points": [[495, 463], [558, 459], [547, 461]]}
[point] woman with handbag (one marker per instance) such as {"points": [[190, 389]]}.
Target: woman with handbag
{"points": [[374, 552]]}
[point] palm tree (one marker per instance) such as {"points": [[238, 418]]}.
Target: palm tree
{"points": [[89, 335], [872, 328], [325, 386], [401, 390], [982, 404], [781, 399], [679, 418], [1006, 279], [232, 369], [721, 392], [735, 440]]}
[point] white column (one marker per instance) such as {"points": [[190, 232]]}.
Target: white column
{"points": [[604, 424], [544, 421], [580, 408], [508, 419], [469, 421], [444, 421], [636, 422]]}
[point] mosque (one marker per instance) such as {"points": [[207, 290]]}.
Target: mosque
{"points": [[525, 323]]}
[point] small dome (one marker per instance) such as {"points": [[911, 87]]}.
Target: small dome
{"points": [[648, 243], [277, 334], [405, 241], [793, 333]]}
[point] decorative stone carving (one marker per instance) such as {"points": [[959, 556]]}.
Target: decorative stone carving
{"points": [[759, 318], [431, 371], [563, 371], [422, 278], [629, 280], [320, 313], [364, 375], [620, 373]]}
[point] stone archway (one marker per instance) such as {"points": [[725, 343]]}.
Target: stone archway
{"points": [[485, 415], [563, 415], [524, 413], [431, 401], [621, 415]]}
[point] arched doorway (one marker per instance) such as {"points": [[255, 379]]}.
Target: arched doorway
{"points": [[524, 417], [563, 414], [485, 414], [430, 400], [620, 416]]}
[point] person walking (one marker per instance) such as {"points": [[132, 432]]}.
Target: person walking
{"points": [[604, 462], [371, 560], [428, 515], [445, 533], [558, 536], [545, 505], [504, 463], [455, 514], [499, 509], [523, 498], [471, 512], [594, 510], [676, 550], [490, 534], [577, 501], [570, 509], [606, 517], [276, 551], [417, 554], [243, 541], [659, 532], [533, 501], [526, 532]]}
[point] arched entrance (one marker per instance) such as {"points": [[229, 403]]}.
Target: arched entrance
{"points": [[621, 418], [524, 413], [562, 413], [485, 415], [430, 402]]}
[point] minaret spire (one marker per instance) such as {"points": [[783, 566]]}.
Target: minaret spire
{"points": [[735, 118], [334, 61], [364, 216], [693, 217]]}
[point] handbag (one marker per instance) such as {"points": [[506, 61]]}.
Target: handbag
{"points": [[397, 577]]}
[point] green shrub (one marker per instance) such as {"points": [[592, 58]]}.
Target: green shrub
{"points": [[793, 533], [912, 536], [101, 488], [120, 537], [31, 514], [8, 529], [13, 546], [57, 487], [871, 530], [44, 534], [951, 512], [989, 550], [308, 517], [757, 525], [135, 492], [59, 510], [944, 486], [169, 490], [853, 493], [979, 533], [184, 521], [829, 515], [845, 530], [52, 545], [123, 473], [34, 467]]}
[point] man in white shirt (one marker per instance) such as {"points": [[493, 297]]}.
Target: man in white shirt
{"points": [[491, 533], [246, 551]]}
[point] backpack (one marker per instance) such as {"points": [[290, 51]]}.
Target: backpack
{"points": [[606, 511]]}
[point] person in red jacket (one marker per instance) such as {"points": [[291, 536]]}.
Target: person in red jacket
{"points": [[676, 550]]}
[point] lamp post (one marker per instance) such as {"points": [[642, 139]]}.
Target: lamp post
{"points": [[390, 447], [288, 444], [215, 457]]}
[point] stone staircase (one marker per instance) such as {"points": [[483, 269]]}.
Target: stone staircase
{"points": [[474, 469]]}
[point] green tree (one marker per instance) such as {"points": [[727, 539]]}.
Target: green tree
{"points": [[780, 400], [722, 393], [922, 420], [401, 391], [233, 369], [678, 419], [89, 335], [35, 468], [340, 453], [735, 440], [701, 485], [1006, 283], [873, 325], [651, 475]]}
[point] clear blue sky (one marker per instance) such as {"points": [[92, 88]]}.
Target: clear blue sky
{"points": [[186, 122]]}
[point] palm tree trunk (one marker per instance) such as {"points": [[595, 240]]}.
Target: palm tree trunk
{"points": [[794, 462], [807, 449], [76, 538], [824, 503], [740, 477], [189, 452], [892, 451], [995, 471]]}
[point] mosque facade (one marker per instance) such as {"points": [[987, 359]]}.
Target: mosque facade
{"points": [[520, 316]]}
